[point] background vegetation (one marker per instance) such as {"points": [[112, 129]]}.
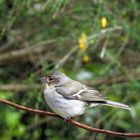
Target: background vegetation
{"points": [[96, 42]]}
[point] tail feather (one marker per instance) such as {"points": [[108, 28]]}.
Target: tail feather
{"points": [[116, 104]]}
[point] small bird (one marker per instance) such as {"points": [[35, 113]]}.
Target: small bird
{"points": [[69, 98]]}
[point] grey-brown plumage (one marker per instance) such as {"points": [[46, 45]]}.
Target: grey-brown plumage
{"points": [[70, 98]]}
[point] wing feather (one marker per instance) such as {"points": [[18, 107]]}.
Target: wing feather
{"points": [[76, 90]]}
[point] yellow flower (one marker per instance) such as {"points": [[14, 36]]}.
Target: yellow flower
{"points": [[86, 58], [122, 39], [104, 22], [82, 42], [84, 36]]}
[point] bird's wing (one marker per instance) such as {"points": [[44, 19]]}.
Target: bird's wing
{"points": [[76, 90], [91, 95], [69, 89]]}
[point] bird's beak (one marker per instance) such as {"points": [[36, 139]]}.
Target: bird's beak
{"points": [[45, 79]]}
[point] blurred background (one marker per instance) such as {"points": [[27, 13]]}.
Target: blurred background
{"points": [[95, 42]]}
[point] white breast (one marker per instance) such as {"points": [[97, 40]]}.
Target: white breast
{"points": [[63, 106]]}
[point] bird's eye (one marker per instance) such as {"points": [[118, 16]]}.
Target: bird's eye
{"points": [[50, 78]]}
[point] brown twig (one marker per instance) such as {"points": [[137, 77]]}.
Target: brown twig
{"points": [[25, 52], [96, 130], [135, 74], [18, 87]]}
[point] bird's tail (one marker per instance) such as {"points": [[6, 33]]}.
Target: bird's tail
{"points": [[116, 104]]}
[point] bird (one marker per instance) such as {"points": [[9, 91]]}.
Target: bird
{"points": [[69, 98]]}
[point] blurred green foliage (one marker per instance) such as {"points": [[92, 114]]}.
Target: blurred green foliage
{"points": [[38, 35]]}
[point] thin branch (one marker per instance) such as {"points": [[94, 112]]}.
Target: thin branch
{"points": [[19, 87], [25, 52], [65, 58], [104, 48], [122, 47], [96, 130], [135, 74], [28, 109], [104, 32]]}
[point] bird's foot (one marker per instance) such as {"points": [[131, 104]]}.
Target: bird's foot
{"points": [[66, 120]]}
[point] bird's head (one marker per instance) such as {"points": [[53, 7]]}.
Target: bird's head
{"points": [[54, 79]]}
